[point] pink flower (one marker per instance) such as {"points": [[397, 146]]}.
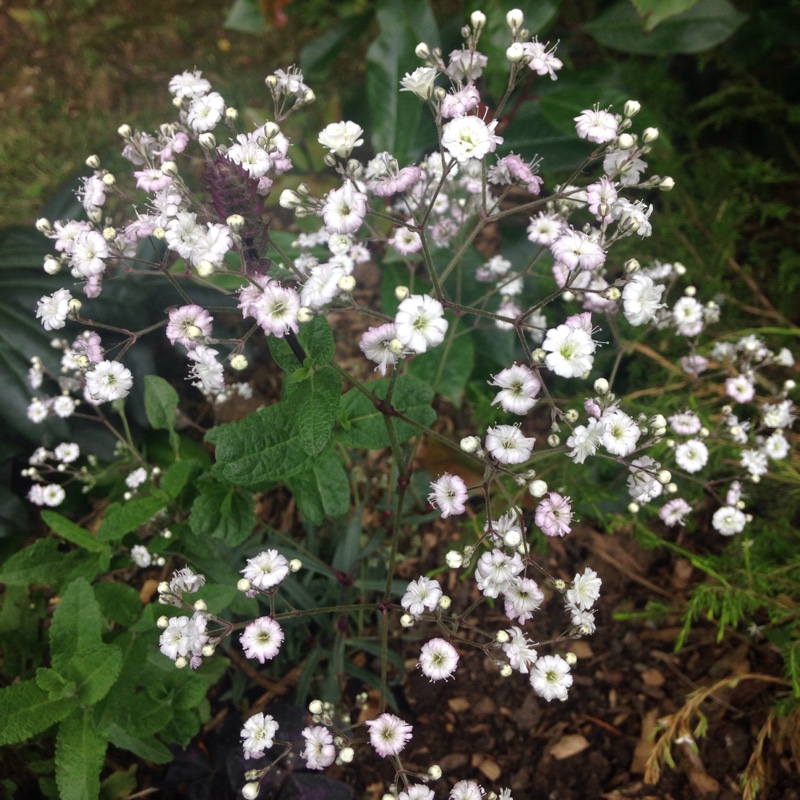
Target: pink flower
{"points": [[554, 515], [189, 325], [388, 734]]}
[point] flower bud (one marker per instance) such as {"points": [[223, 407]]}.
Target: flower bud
{"points": [[537, 488], [162, 622], [109, 179], [514, 19], [315, 707], [238, 362], [271, 82], [633, 508], [553, 440], [205, 268], [250, 791], [625, 141], [678, 269], [571, 416], [453, 559], [43, 225], [568, 297], [788, 385], [346, 755], [632, 108], [666, 184], [612, 293], [649, 135], [181, 662], [244, 585], [93, 162], [538, 356], [515, 53], [571, 659], [200, 605], [170, 169], [470, 444], [690, 291], [159, 233], [329, 160], [231, 114], [506, 670], [167, 534], [601, 386], [434, 772], [396, 347], [75, 307], [664, 477], [207, 141], [478, 20], [346, 283], [235, 222], [445, 602], [208, 650], [407, 621], [125, 131], [52, 266], [512, 538], [401, 292], [109, 234], [422, 51], [295, 565], [309, 96], [632, 266]]}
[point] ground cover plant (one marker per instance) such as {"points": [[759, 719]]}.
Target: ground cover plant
{"points": [[451, 268]]}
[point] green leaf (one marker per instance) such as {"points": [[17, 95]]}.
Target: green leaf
{"points": [[261, 448], [246, 16], [323, 490], [122, 518], [177, 476], [706, 25], [94, 670], [348, 546], [77, 624], [654, 12], [160, 403], [26, 709], [41, 563], [224, 512], [316, 403], [72, 532], [119, 602], [53, 682], [80, 753], [395, 116], [448, 367], [316, 339], [318, 55], [361, 425], [145, 747]]}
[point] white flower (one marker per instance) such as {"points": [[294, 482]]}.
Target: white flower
{"points": [[67, 452], [643, 483], [262, 639], [438, 659], [575, 250], [341, 137], [276, 309], [53, 309], [376, 344], [469, 137], [507, 445], [420, 323], [755, 462], [691, 456], [266, 570], [495, 571], [53, 495], [542, 61], [141, 556], [319, 751], [585, 439], [633, 217], [522, 597], [551, 678], [673, 512], [519, 385], [64, 406], [420, 81], [466, 790], [545, 228], [596, 125], [775, 446], [585, 589], [621, 433], [88, 252], [641, 299], [108, 381], [688, 316], [421, 595], [322, 285], [388, 734], [448, 494], [344, 209], [205, 112], [417, 792], [728, 520], [206, 370], [519, 651], [136, 478], [571, 351], [37, 411], [189, 84], [258, 735]]}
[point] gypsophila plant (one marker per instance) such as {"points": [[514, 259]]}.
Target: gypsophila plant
{"points": [[197, 196]]}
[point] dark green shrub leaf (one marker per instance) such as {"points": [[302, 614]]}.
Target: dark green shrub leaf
{"points": [[322, 490], [316, 403], [94, 670], [26, 710], [224, 512], [122, 518], [77, 624], [72, 532], [160, 403], [80, 753], [119, 602]]}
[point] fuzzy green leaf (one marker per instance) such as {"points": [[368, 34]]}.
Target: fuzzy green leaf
{"points": [[362, 425], [41, 563], [261, 448], [80, 753], [224, 512], [145, 747], [72, 532], [316, 403], [160, 403], [316, 339], [77, 624], [120, 519], [26, 709], [119, 602], [94, 670], [322, 490]]}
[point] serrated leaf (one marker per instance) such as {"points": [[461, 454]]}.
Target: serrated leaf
{"points": [[323, 490], [316, 402], [77, 624], [323, 49], [119, 602], [80, 753], [52, 682], [160, 402], [72, 532], [145, 747], [706, 25], [316, 339], [224, 512], [26, 710], [177, 476], [41, 563], [263, 447], [94, 670], [362, 425], [122, 518]]}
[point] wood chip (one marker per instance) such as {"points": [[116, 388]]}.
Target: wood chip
{"points": [[645, 744], [458, 704], [569, 745], [581, 649], [653, 677], [488, 766]]}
